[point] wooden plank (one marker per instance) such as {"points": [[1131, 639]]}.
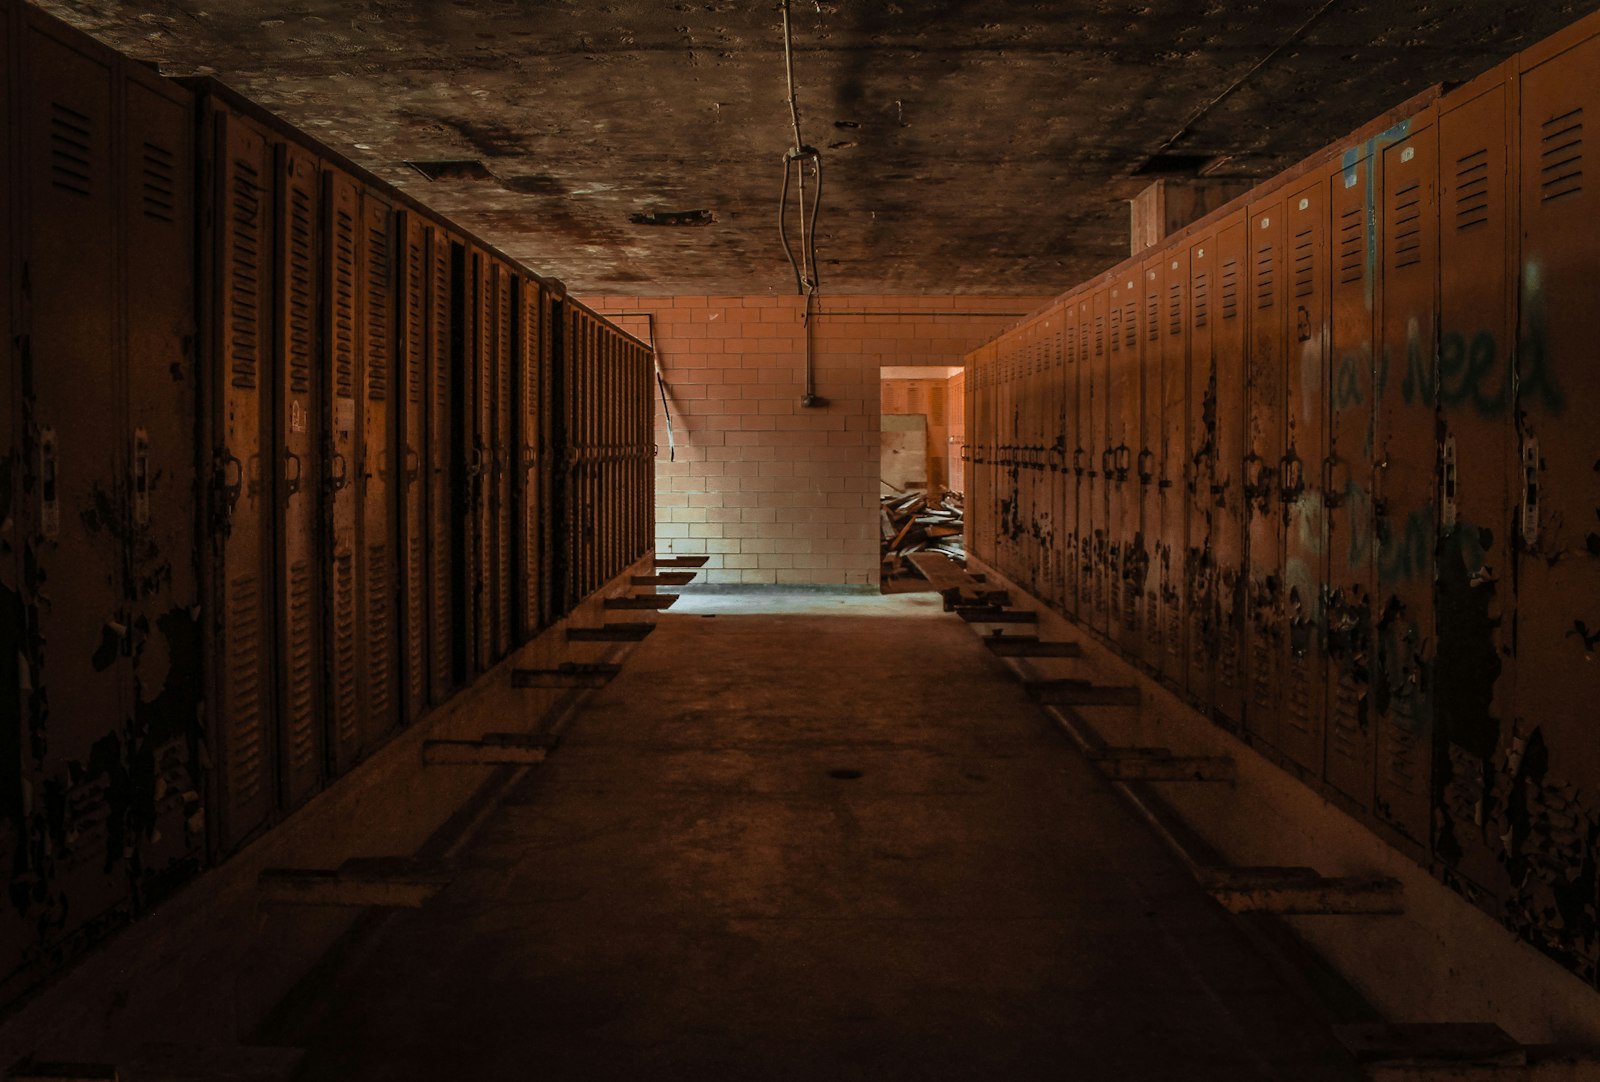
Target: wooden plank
{"points": [[939, 570], [623, 632], [665, 578], [1030, 646], [641, 601], [682, 561], [993, 614], [567, 675], [1074, 692], [493, 749], [1159, 764], [1300, 892], [389, 882]]}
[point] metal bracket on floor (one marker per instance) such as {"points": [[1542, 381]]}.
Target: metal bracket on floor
{"points": [[1075, 692], [665, 578], [1029, 646], [494, 749], [569, 674], [642, 601], [610, 633], [1159, 764], [1461, 1052], [993, 614], [682, 561], [392, 882], [1300, 892]]}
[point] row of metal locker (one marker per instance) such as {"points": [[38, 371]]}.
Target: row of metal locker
{"points": [[1326, 463], [289, 460]]}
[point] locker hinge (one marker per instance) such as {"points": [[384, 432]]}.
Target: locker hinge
{"points": [[1447, 483], [49, 486], [1530, 491], [141, 477]]}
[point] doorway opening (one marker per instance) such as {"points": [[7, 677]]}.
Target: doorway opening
{"points": [[922, 434]]}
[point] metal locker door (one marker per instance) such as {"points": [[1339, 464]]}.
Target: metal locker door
{"points": [[505, 359], [480, 362], [551, 338], [1085, 456], [1101, 468], [1055, 403], [1558, 565], [341, 386], [1264, 418], [377, 573], [1305, 573], [237, 276], [1404, 486], [1171, 504], [1202, 477], [411, 473], [1351, 749], [1125, 563], [16, 765], [164, 749], [297, 454], [1068, 528], [437, 455], [79, 678], [527, 439], [1473, 682], [1228, 338], [1148, 461]]}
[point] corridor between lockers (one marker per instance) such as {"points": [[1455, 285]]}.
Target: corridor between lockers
{"points": [[807, 835]]}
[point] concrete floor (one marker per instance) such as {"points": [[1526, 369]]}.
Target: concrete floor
{"points": [[808, 836]]}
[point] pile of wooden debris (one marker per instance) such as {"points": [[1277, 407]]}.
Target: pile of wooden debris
{"points": [[917, 522]]}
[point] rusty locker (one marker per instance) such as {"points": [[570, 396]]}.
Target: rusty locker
{"points": [[1478, 472], [1069, 505], [411, 236], [1127, 561], [505, 358], [479, 540], [77, 633], [1264, 419], [1230, 485], [1305, 573], [1202, 477], [340, 387], [1403, 483], [552, 331], [528, 436], [237, 271], [15, 764], [1552, 744], [1101, 467], [377, 570], [1057, 405], [1147, 459], [166, 824], [1085, 465], [439, 454], [1349, 755], [1168, 444], [297, 453]]}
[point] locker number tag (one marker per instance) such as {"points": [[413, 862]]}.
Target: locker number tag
{"points": [[1408, 153], [344, 414], [297, 417]]}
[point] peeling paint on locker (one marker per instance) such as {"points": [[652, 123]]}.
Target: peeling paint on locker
{"points": [[1170, 474], [411, 469], [1229, 308], [377, 572], [1202, 477]]}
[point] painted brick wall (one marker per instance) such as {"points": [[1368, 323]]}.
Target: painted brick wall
{"points": [[775, 493]]}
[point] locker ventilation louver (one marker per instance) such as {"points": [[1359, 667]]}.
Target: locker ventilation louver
{"points": [[246, 744], [1130, 327], [1202, 299], [1230, 288], [378, 311], [344, 285], [345, 699], [1472, 189], [1153, 315], [159, 193], [1304, 264], [244, 286], [302, 671], [71, 160], [1266, 277], [1406, 214], [1352, 246], [1175, 309], [1561, 157], [379, 591], [301, 304]]}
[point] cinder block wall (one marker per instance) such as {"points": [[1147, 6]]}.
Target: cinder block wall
{"points": [[773, 492]]}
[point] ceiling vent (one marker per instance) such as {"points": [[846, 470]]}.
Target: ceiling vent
{"points": [[1169, 163]]}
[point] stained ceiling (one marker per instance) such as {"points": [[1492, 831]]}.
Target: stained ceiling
{"points": [[969, 146]]}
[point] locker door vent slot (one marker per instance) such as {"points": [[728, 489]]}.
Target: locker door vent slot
{"points": [[1561, 157], [159, 190], [1472, 189], [379, 593], [1352, 245], [1130, 327], [1230, 288], [344, 647], [344, 285], [246, 749], [1175, 309], [1152, 315], [1266, 294], [244, 287], [71, 159], [1406, 214], [378, 310], [1202, 300], [301, 303], [1304, 265], [302, 670]]}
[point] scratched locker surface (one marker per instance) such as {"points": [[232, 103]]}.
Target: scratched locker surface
{"points": [[1169, 478], [1200, 478], [1149, 461], [411, 469], [375, 476]]}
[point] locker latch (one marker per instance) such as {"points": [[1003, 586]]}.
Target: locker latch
{"points": [[49, 486], [1530, 491], [1331, 496], [1447, 482], [141, 477], [338, 472], [1077, 461], [1147, 461], [1291, 478], [291, 479], [1124, 461]]}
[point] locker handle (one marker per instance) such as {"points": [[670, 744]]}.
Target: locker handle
{"points": [[1253, 469], [49, 486], [1105, 461], [1447, 453], [1124, 461], [141, 477], [1332, 494], [1291, 478], [1077, 461], [338, 471], [291, 481], [1530, 491], [1147, 459], [413, 463]]}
